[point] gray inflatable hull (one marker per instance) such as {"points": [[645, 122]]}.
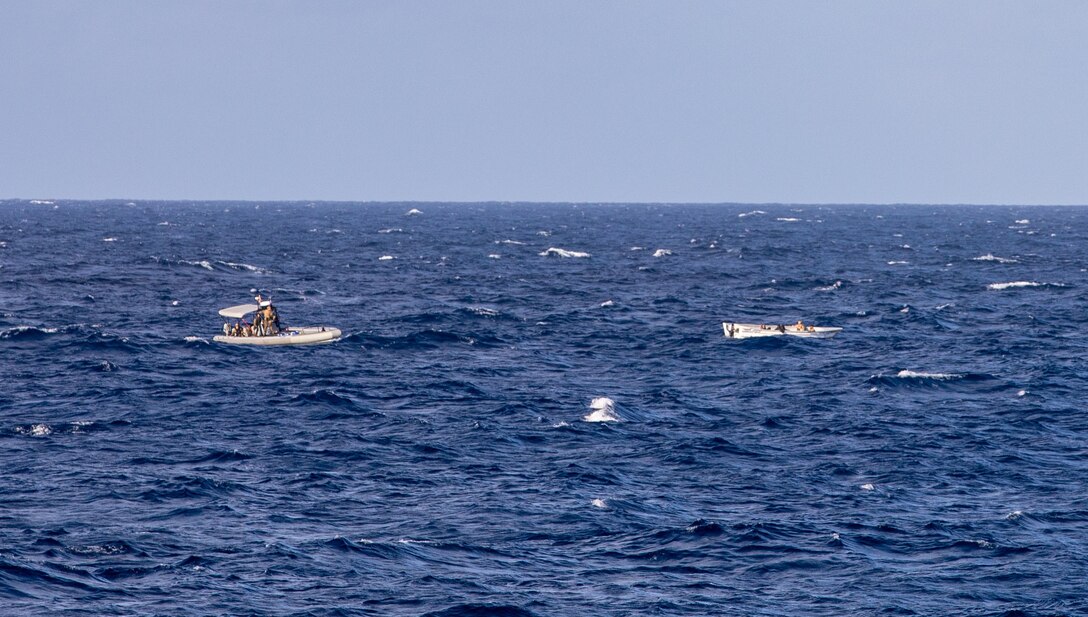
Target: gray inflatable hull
{"points": [[291, 336]]}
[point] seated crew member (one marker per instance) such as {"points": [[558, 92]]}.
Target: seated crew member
{"points": [[800, 326]]}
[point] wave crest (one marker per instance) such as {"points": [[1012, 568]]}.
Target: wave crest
{"points": [[558, 252], [604, 410]]}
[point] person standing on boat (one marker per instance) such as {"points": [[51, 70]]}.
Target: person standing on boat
{"points": [[269, 319]]}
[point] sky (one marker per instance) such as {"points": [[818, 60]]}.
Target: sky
{"points": [[870, 101]]}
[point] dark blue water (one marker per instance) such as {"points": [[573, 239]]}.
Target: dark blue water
{"points": [[445, 457]]}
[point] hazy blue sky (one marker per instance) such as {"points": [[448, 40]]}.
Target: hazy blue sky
{"points": [[552, 100]]}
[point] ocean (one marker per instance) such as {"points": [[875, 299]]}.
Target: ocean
{"points": [[533, 410]]}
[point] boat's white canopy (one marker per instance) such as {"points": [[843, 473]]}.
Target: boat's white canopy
{"points": [[238, 312]]}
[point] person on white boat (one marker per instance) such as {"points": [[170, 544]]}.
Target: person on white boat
{"points": [[800, 327], [266, 322]]}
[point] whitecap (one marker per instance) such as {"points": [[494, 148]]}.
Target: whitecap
{"points": [[207, 265], [867, 487], [1017, 284], [413, 212], [483, 311], [544, 233], [494, 256], [558, 252], [662, 253], [1022, 393], [386, 258], [17, 330], [240, 266], [607, 303], [638, 248], [599, 503], [831, 287], [604, 410], [785, 219], [991, 257], [898, 263], [752, 213], [1015, 514], [390, 230], [42, 202], [514, 242], [175, 303], [195, 339], [164, 223], [34, 430], [110, 239], [907, 374], [1023, 222]]}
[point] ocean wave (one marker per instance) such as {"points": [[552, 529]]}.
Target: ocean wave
{"points": [[75, 427], [908, 374], [27, 332], [992, 257], [426, 339], [604, 410], [906, 378], [662, 253], [831, 287], [203, 263], [240, 266], [413, 212], [482, 610], [752, 213], [1021, 284], [558, 252], [482, 311], [323, 396]]}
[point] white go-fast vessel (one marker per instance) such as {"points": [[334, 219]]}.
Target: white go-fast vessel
{"points": [[753, 330], [242, 333]]}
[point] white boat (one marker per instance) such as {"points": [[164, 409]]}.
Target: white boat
{"points": [[309, 335], [753, 330]]}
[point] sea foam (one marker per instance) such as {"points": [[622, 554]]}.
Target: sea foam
{"points": [[907, 374], [1017, 284], [604, 410], [991, 257], [558, 252]]}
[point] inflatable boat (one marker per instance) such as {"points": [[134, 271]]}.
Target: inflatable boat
{"points": [[752, 330], [243, 333]]}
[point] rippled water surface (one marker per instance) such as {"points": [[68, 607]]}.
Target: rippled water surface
{"points": [[533, 411]]}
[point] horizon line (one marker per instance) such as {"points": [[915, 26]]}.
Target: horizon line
{"points": [[126, 200]]}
